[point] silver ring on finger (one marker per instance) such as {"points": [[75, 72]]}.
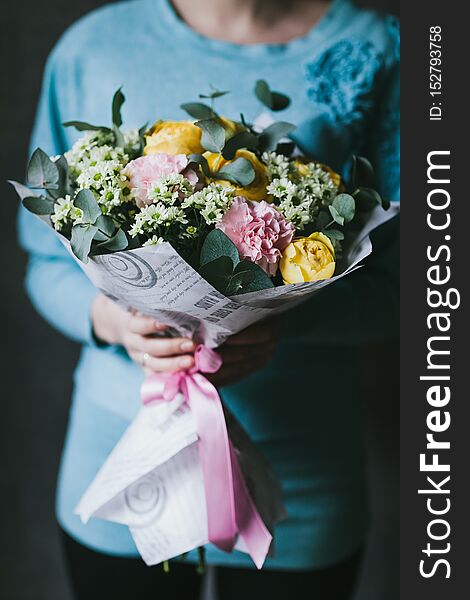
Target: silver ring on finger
{"points": [[145, 359]]}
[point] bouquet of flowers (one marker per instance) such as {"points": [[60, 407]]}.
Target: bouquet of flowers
{"points": [[209, 225]]}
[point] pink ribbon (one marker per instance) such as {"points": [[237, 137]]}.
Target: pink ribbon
{"points": [[230, 509]]}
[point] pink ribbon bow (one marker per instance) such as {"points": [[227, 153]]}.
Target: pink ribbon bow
{"points": [[230, 509]]}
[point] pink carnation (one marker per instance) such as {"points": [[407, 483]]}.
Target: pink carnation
{"points": [[143, 171], [259, 232]]}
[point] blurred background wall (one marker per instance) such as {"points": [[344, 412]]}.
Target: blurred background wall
{"points": [[37, 362]]}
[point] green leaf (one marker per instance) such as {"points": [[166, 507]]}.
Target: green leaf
{"points": [[269, 137], [63, 186], [244, 139], [216, 245], [254, 278], [271, 99], [336, 216], [118, 101], [334, 234], [39, 205], [218, 272], [198, 110], [42, 171], [215, 94], [86, 201], [82, 236], [322, 220], [118, 137], [368, 198], [362, 173], [213, 135], [240, 172], [106, 224], [83, 126], [345, 206], [116, 243], [22, 190], [202, 161]]}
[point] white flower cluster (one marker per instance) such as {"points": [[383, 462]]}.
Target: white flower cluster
{"points": [[65, 212], [299, 190], [170, 189], [154, 241], [156, 218], [97, 166], [212, 202]]}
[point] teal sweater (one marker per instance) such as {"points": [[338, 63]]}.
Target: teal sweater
{"points": [[304, 410]]}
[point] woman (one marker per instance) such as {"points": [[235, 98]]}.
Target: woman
{"points": [[297, 392]]}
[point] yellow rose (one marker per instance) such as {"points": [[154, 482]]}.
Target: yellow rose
{"points": [[309, 258], [174, 137], [257, 189]]}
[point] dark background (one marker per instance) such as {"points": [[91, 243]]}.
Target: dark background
{"points": [[37, 362]]}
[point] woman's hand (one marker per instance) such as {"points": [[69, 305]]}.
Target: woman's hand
{"points": [[113, 325], [246, 352]]}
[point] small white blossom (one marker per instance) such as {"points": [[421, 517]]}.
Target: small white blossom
{"points": [[155, 216], [154, 241], [170, 188], [212, 202], [299, 193], [66, 213], [277, 165]]}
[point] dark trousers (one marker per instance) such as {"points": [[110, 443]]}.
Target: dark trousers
{"points": [[96, 576]]}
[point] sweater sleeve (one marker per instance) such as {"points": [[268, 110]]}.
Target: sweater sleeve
{"points": [[56, 285], [364, 306]]}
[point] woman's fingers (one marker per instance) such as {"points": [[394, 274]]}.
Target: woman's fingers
{"points": [[160, 347], [162, 365], [144, 325]]}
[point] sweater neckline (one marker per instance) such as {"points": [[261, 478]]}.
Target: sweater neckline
{"points": [[166, 16]]}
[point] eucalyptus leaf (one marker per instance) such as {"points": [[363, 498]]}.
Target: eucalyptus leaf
{"points": [[218, 244], [106, 224], [86, 201], [63, 185], [42, 171], [362, 172], [269, 137], [22, 190], [116, 243], [336, 216], [334, 234], [213, 135], [244, 139], [254, 279], [240, 172], [198, 110], [82, 236], [118, 137], [236, 281], [322, 220], [218, 272], [118, 101], [345, 206], [202, 161], [83, 126], [215, 94], [271, 99], [39, 205]]}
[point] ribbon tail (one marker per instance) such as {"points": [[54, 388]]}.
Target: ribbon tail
{"points": [[251, 527], [216, 462]]}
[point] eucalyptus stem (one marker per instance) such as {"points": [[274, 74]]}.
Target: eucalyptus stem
{"points": [[201, 566]]}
